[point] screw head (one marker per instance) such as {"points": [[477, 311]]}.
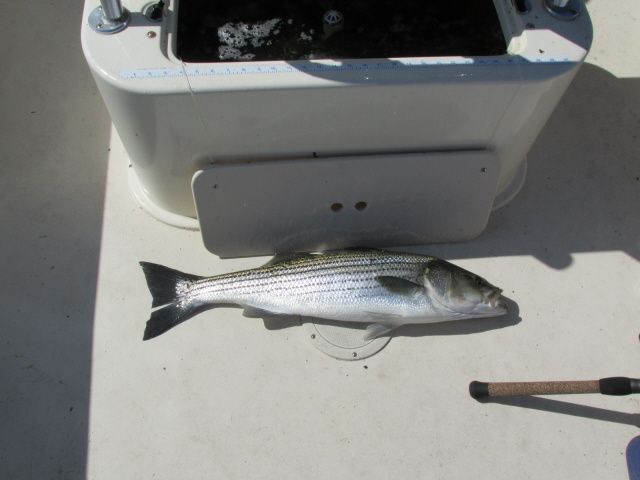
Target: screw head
{"points": [[151, 34]]}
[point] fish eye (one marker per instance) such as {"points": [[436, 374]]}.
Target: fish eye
{"points": [[481, 282]]}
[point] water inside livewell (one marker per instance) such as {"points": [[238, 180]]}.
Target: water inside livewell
{"points": [[214, 31]]}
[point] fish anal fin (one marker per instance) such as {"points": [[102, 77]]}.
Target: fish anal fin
{"points": [[376, 330], [400, 286]]}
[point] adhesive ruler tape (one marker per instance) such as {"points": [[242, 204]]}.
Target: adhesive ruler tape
{"points": [[248, 68]]}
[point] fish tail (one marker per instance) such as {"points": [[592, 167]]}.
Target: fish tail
{"points": [[166, 318], [164, 283]]}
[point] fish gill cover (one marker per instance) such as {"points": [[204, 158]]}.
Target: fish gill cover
{"points": [[213, 31]]}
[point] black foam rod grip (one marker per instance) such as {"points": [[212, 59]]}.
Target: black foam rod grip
{"points": [[619, 386]]}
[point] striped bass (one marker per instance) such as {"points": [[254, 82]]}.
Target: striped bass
{"points": [[386, 289]]}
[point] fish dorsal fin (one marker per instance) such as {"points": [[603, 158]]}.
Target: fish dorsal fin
{"points": [[284, 257], [352, 250], [400, 286], [287, 256]]}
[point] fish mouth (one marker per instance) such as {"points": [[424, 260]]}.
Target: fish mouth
{"points": [[496, 302], [500, 304]]}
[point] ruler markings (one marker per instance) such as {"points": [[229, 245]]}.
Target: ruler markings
{"points": [[163, 72]]}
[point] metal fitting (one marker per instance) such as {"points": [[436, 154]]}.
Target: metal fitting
{"points": [[563, 9], [109, 17]]}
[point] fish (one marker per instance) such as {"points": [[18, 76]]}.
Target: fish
{"points": [[384, 288]]}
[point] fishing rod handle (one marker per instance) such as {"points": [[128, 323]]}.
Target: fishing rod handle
{"points": [[605, 386]]}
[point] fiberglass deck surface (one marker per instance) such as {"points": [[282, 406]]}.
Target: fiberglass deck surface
{"points": [[224, 397]]}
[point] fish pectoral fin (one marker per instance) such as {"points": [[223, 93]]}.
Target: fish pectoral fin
{"points": [[376, 330], [400, 286], [254, 312]]}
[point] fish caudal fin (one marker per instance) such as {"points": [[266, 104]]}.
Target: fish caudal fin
{"points": [[164, 284], [166, 318]]}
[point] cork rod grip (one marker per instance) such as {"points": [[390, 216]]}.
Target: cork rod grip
{"points": [[606, 386]]}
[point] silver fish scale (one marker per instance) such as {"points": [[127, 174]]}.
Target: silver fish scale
{"points": [[339, 284]]}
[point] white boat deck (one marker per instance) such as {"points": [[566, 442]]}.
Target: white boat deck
{"points": [[224, 397]]}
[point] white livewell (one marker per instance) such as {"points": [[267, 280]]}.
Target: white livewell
{"points": [[304, 155]]}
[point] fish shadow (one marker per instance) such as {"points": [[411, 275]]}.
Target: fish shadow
{"points": [[458, 327], [280, 322]]}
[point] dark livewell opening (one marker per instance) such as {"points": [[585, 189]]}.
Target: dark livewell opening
{"points": [[214, 31]]}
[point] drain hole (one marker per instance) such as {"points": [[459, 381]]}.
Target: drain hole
{"points": [[336, 207], [361, 206], [523, 6]]}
